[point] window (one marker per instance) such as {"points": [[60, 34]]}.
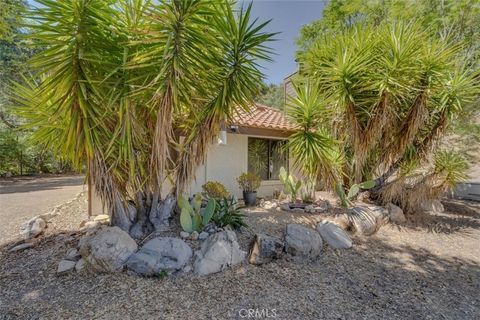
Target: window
{"points": [[266, 157]]}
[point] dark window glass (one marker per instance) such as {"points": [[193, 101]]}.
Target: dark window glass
{"points": [[266, 157]]}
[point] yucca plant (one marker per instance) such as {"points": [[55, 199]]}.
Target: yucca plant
{"points": [[119, 82], [314, 150], [388, 89], [413, 186]]}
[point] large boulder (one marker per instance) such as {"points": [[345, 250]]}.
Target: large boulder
{"points": [[302, 241], [106, 249], [33, 227], [160, 254], [395, 214], [367, 220], [219, 252], [334, 235], [264, 249]]}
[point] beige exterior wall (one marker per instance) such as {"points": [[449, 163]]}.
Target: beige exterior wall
{"points": [[225, 163]]}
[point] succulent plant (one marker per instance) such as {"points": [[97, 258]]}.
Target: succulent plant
{"points": [[291, 185], [192, 216], [346, 199]]}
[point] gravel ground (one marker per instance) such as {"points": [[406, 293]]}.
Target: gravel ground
{"points": [[427, 269]]}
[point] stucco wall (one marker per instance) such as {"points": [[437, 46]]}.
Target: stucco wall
{"points": [[225, 163]]}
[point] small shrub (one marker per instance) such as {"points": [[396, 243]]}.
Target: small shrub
{"points": [[228, 214], [214, 189], [249, 182]]}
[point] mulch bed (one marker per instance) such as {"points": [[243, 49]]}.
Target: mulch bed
{"points": [[425, 269]]}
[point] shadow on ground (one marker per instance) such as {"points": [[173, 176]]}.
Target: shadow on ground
{"points": [[459, 217]]}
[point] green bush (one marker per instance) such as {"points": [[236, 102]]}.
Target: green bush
{"points": [[214, 189]]}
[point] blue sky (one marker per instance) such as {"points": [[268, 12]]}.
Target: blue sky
{"points": [[288, 16]]}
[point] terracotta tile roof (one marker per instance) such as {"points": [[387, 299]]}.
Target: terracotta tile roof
{"points": [[261, 116]]}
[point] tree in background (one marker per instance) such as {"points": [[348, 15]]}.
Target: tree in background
{"points": [[272, 95], [18, 155], [136, 90], [453, 20], [390, 91]]}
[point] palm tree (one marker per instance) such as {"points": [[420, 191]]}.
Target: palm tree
{"points": [[136, 91], [392, 90]]}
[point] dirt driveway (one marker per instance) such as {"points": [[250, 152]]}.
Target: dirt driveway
{"points": [[25, 197]]}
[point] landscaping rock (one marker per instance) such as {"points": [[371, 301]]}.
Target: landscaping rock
{"points": [[334, 235], [80, 265], [107, 249], [65, 266], [367, 220], [268, 205], [49, 215], [33, 228], [184, 235], [102, 218], [73, 255], [21, 247], [219, 252], [203, 235], [434, 206], [210, 228], [194, 235], [264, 249], [302, 241], [322, 206], [395, 214], [285, 207], [90, 225], [309, 209], [160, 254]]}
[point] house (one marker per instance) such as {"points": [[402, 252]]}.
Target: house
{"points": [[252, 142]]}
